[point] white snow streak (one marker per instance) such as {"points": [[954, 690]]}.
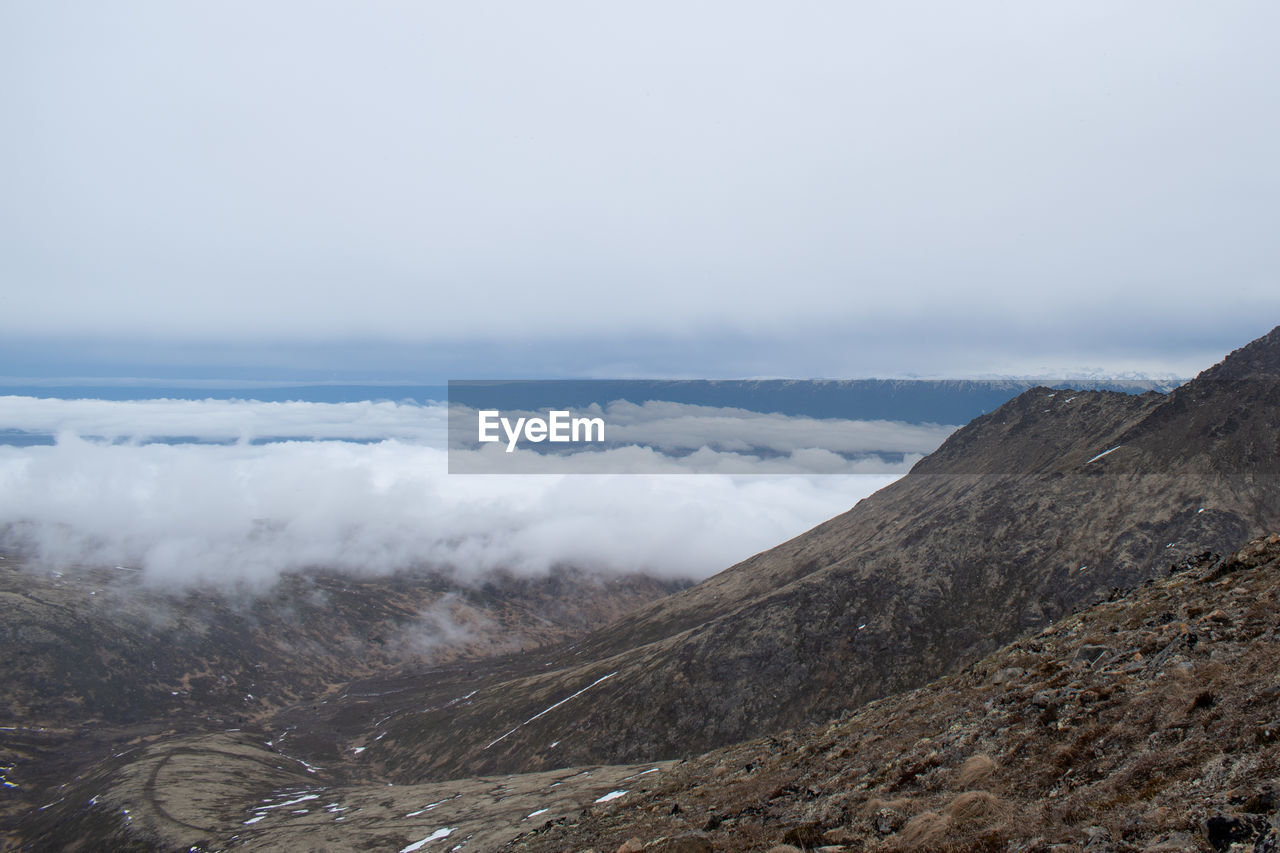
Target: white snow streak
{"points": [[553, 707], [1104, 453]]}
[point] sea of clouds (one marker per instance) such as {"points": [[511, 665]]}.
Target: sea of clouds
{"points": [[365, 488]]}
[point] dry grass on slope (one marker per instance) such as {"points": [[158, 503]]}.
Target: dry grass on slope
{"points": [[1150, 722]]}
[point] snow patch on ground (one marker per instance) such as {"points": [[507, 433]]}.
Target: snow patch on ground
{"points": [[301, 799], [435, 836]]}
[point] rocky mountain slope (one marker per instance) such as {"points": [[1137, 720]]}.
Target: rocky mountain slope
{"points": [[1148, 722], [1046, 503]]}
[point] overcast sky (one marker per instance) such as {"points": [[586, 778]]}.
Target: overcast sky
{"points": [[695, 188]]}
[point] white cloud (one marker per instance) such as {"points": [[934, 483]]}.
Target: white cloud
{"points": [[223, 420], [199, 513], [634, 460], [723, 440], [681, 426], [244, 511]]}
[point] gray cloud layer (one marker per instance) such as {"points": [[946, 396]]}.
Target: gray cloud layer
{"points": [[433, 172]]}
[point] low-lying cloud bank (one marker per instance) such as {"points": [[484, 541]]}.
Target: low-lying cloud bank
{"points": [[208, 513]]}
